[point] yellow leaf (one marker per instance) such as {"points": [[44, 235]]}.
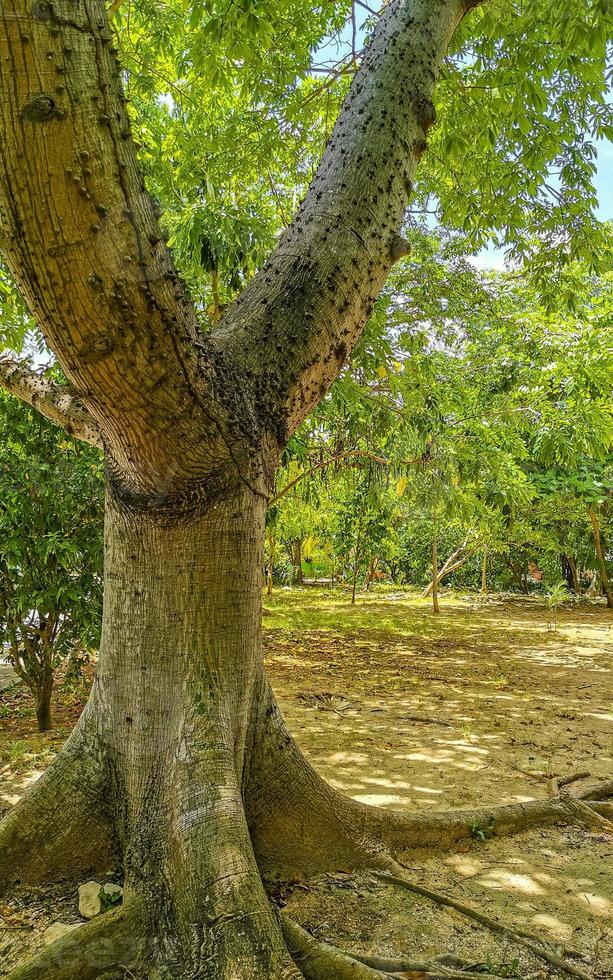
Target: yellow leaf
{"points": [[382, 371], [401, 485]]}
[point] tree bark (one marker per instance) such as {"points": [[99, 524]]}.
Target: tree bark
{"points": [[519, 575], [455, 561], [484, 572], [43, 700], [272, 546], [572, 564]]}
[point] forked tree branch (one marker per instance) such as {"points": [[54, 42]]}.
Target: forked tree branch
{"points": [[294, 326], [54, 401]]}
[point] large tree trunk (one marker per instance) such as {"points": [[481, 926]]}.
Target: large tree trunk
{"points": [[182, 770], [173, 698]]}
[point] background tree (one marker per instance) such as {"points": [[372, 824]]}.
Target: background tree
{"points": [[50, 548]]}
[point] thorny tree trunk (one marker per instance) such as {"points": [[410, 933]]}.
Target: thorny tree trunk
{"points": [[602, 565], [180, 766]]}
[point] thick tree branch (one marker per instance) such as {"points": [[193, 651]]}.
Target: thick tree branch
{"points": [[53, 401], [297, 322], [81, 236]]}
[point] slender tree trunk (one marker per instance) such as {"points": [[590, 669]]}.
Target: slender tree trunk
{"points": [[484, 573], [271, 563], [370, 572], [572, 564], [435, 575], [216, 298], [297, 576], [453, 563], [45, 679], [43, 700], [604, 578], [356, 561]]}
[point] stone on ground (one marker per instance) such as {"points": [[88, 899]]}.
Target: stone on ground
{"points": [[90, 904]]}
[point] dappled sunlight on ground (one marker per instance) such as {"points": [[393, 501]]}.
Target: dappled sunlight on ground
{"points": [[482, 704], [474, 704], [405, 710]]}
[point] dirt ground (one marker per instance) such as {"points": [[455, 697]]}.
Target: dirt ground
{"points": [[405, 710]]}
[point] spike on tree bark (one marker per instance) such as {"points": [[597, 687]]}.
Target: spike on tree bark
{"points": [[180, 766]]}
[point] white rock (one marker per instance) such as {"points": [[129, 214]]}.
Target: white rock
{"points": [[57, 930], [90, 904], [113, 891]]}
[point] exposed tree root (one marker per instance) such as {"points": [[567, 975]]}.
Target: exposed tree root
{"points": [[601, 791], [300, 824], [558, 782], [422, 971], [588, 815], [402, 832], [114, 939], [604, 809], [320, 961], [59, 828], [199, 875], [519, 936]]}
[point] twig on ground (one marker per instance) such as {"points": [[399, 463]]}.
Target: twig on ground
{"points": [[530, 942]]}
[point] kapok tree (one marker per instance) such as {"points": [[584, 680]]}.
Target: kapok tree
{"points": [[180, 766]]}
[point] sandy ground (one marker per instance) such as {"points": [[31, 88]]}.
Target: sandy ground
{"points": [[482, 704], [405, 710]]}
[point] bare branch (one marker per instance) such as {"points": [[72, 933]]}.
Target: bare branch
{"points": [[55, 402]]}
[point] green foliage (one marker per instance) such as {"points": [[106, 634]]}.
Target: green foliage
{"points": [[470, 404], [50, 542], [481, 832]]}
